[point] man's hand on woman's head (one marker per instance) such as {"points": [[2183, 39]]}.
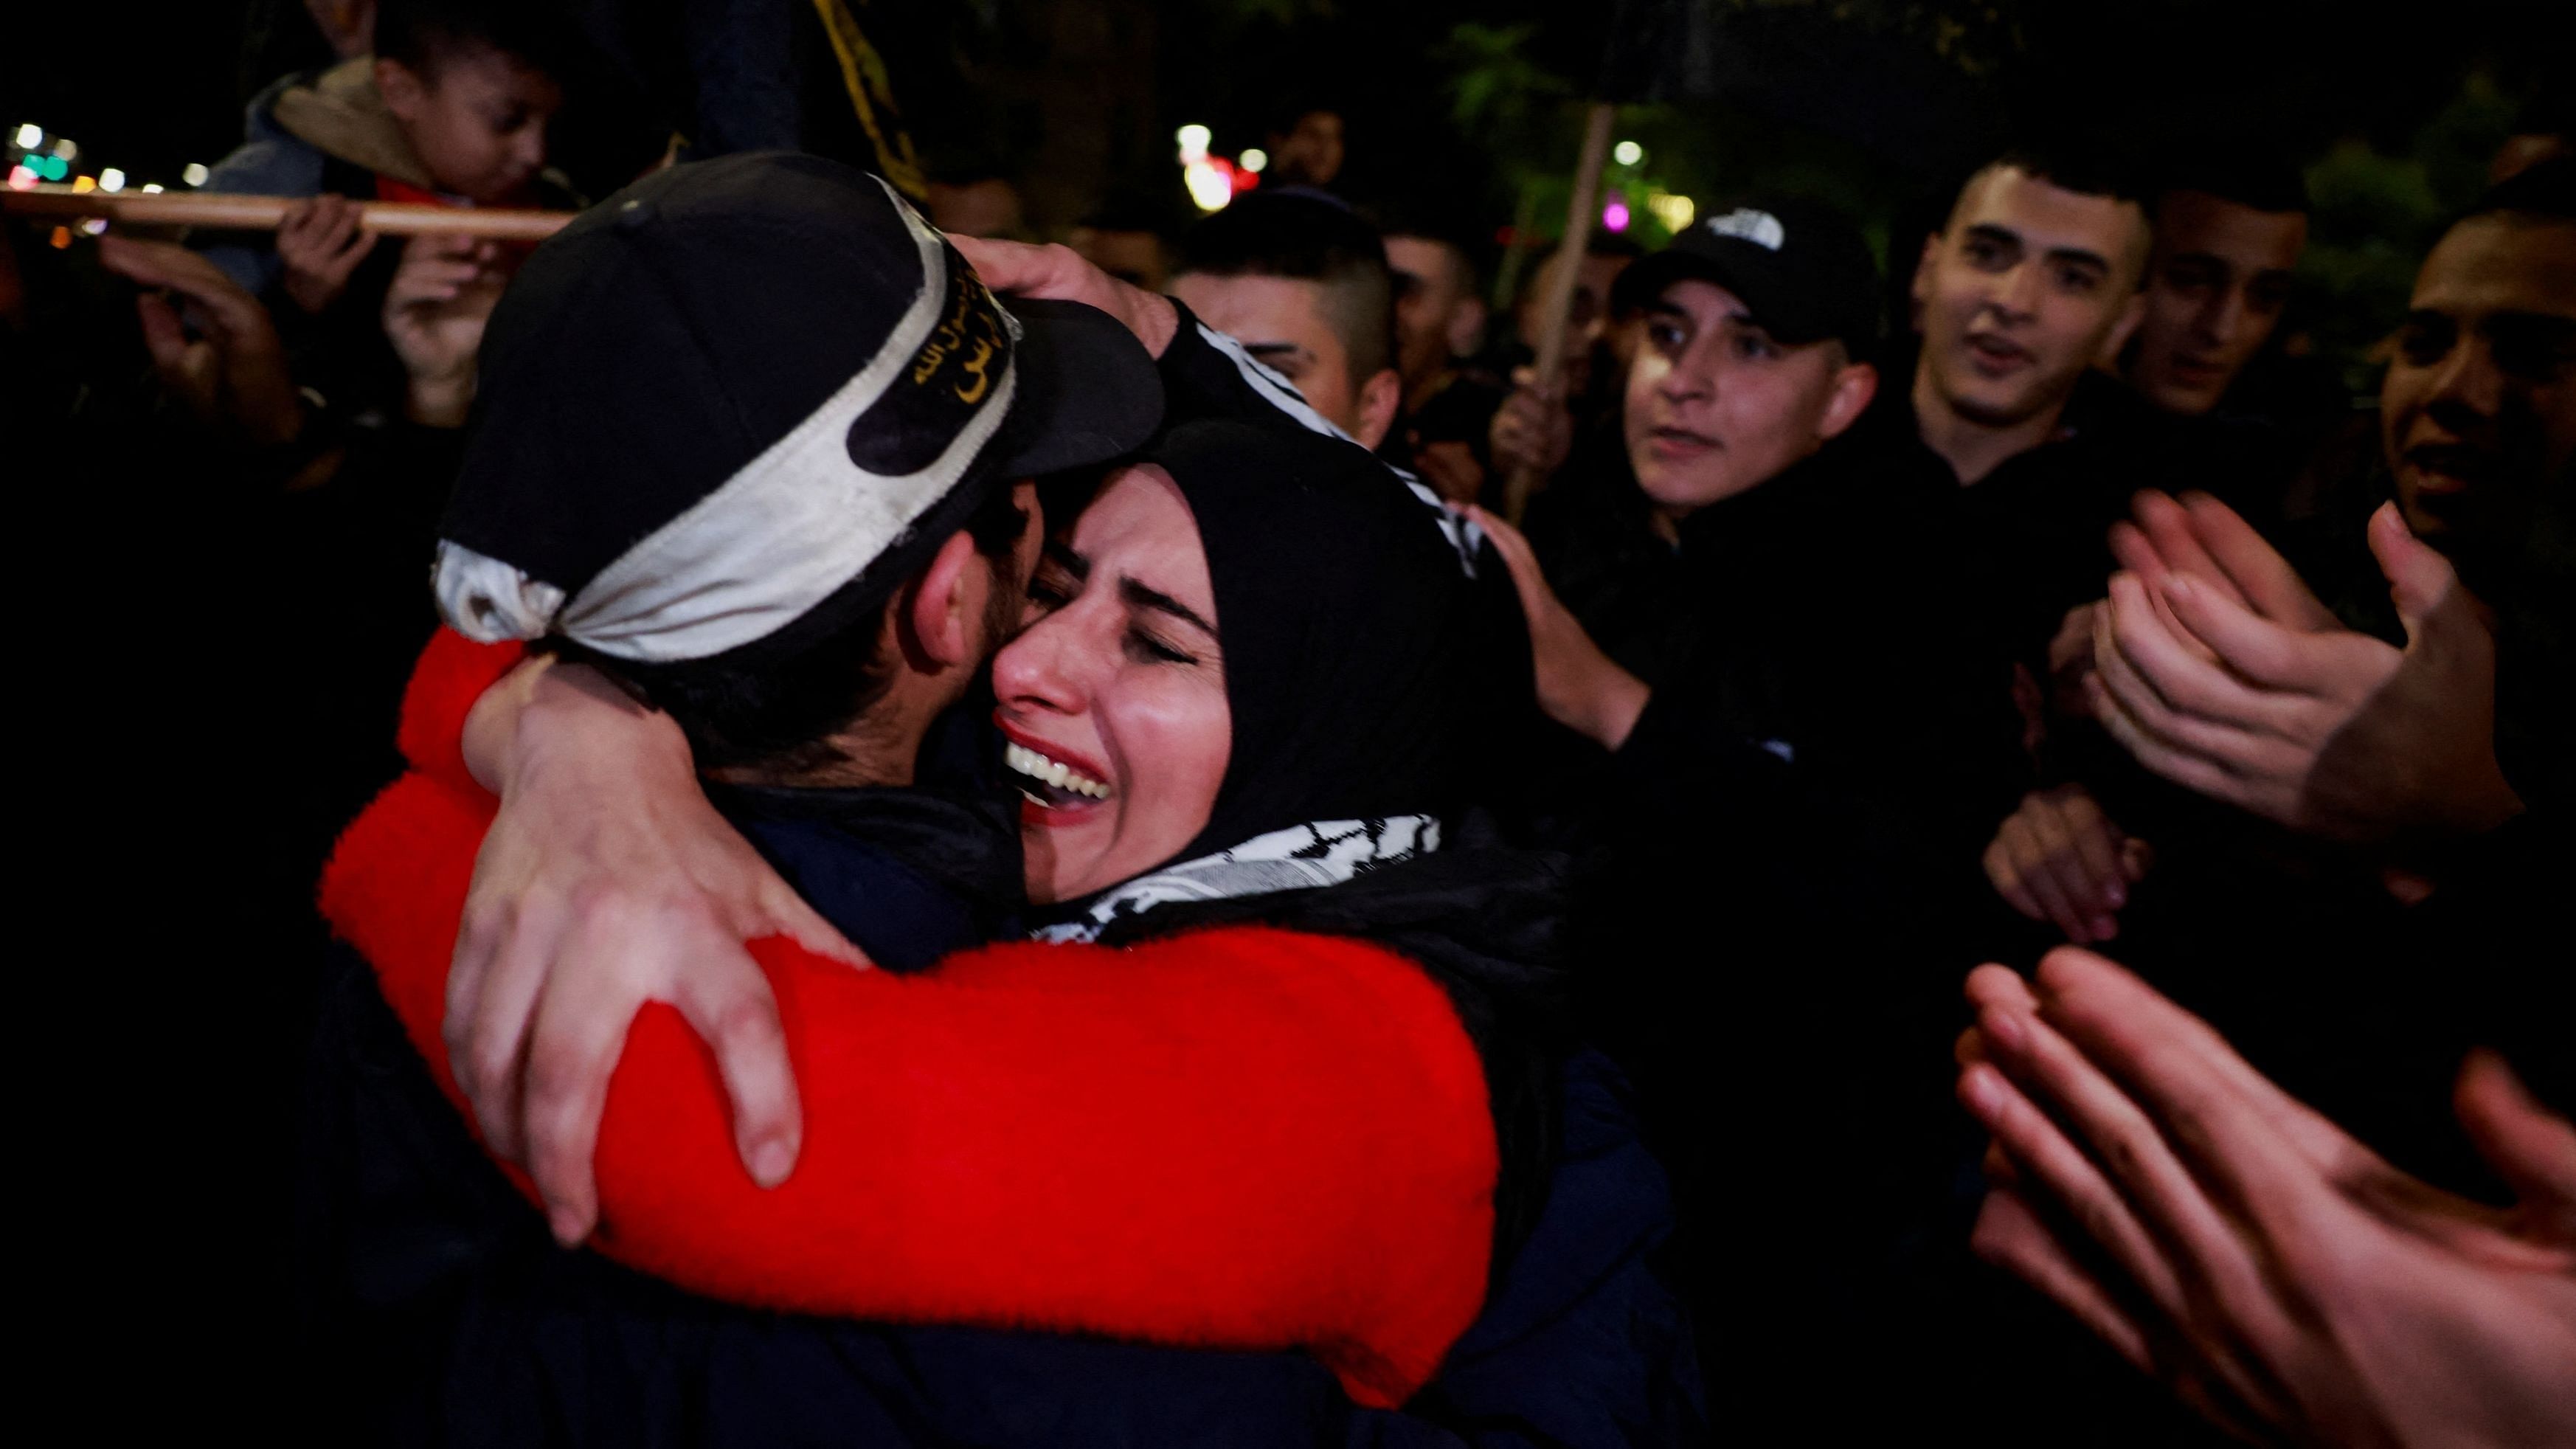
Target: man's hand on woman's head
{"points": [[2227, 1239], [2218, 670], [1579, 686], [1058, 273], [608, 881], [233, 373]]}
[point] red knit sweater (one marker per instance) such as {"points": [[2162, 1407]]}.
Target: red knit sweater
{"points": [[1241, 1138]]}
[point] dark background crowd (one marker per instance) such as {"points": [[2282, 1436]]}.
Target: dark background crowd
{"points": [[2269, 224]]}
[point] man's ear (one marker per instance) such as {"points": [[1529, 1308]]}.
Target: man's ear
{"points": [[1855, 383], [1379, 399], [2115, 341], [945, 607], [1466, 327], [402, 88]]}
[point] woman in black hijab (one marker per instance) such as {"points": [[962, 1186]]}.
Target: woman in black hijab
{"points": [[1251, 643]]}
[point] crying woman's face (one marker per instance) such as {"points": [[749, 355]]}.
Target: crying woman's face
{"points": [[1113, 703]]}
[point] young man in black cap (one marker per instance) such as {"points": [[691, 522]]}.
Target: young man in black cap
{"points": [[1758, 322], [1802, 745]]}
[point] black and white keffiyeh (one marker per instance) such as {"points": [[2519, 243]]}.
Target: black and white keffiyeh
{"points": [[1301, 857]]}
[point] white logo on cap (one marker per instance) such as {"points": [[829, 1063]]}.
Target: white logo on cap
{"points": [[1758, 227]]}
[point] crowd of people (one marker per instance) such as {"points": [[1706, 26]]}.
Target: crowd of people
{"points": [[984, 841]]}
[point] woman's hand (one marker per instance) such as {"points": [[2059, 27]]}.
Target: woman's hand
{"points": [[1579, 687], [607, 881], [2059, 858], [2276, 1273], [321, 243]]}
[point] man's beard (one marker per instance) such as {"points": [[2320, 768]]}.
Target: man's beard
{"points": [[1004, 608]]}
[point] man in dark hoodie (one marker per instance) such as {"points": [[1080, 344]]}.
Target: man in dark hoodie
{"points": [[807, 696]]}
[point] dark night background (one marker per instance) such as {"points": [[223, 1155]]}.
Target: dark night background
{"points": [[155, 1141]]}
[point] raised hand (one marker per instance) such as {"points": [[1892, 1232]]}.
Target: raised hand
{"points": [[2227, 1239], [1579, 687], [321, 243], [2320, 728], [435, 309], [1532, 429], [607, 881]]}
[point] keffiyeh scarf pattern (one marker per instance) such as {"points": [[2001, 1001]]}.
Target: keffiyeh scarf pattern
{"points": [[1301, 857]]}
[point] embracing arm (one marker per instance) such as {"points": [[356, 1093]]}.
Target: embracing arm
{"points": [[605, 880], [1241, 1138]]}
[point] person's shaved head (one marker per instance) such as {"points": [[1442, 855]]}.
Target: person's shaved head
{"points": [[1306, 239], [1303, 284]]}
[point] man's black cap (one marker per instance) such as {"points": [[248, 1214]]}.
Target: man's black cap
{"points": [[741, 387], [1802, 270]]}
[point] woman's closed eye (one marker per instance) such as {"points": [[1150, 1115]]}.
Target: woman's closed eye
{"points": [[1145, 648], [1052, 586]]}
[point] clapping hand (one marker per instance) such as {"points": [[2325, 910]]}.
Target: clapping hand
{"points": [[2225, 1238], [2218, 670]]}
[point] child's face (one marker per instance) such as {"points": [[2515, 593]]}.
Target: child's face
{"points": [[477, 119]]}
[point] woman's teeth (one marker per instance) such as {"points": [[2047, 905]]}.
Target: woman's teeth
{"points": [[1052, 772]]}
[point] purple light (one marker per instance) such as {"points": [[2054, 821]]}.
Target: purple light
{"points": [[1614, 217]]}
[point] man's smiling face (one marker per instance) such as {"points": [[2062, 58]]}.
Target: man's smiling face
{"points": [[2478, 410]]}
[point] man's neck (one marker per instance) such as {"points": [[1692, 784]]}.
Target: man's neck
{"points": [[1971, 448], [879, 748]]}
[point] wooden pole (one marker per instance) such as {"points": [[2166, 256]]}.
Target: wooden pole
{"points": [[264, 213], [1558, 300]]}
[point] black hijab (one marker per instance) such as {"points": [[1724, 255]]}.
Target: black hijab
{"points": [[1351, 633], [1363, 666]]}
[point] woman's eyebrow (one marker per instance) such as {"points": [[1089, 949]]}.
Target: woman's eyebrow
{"points": [[1061, 554], [1143, 596]]}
